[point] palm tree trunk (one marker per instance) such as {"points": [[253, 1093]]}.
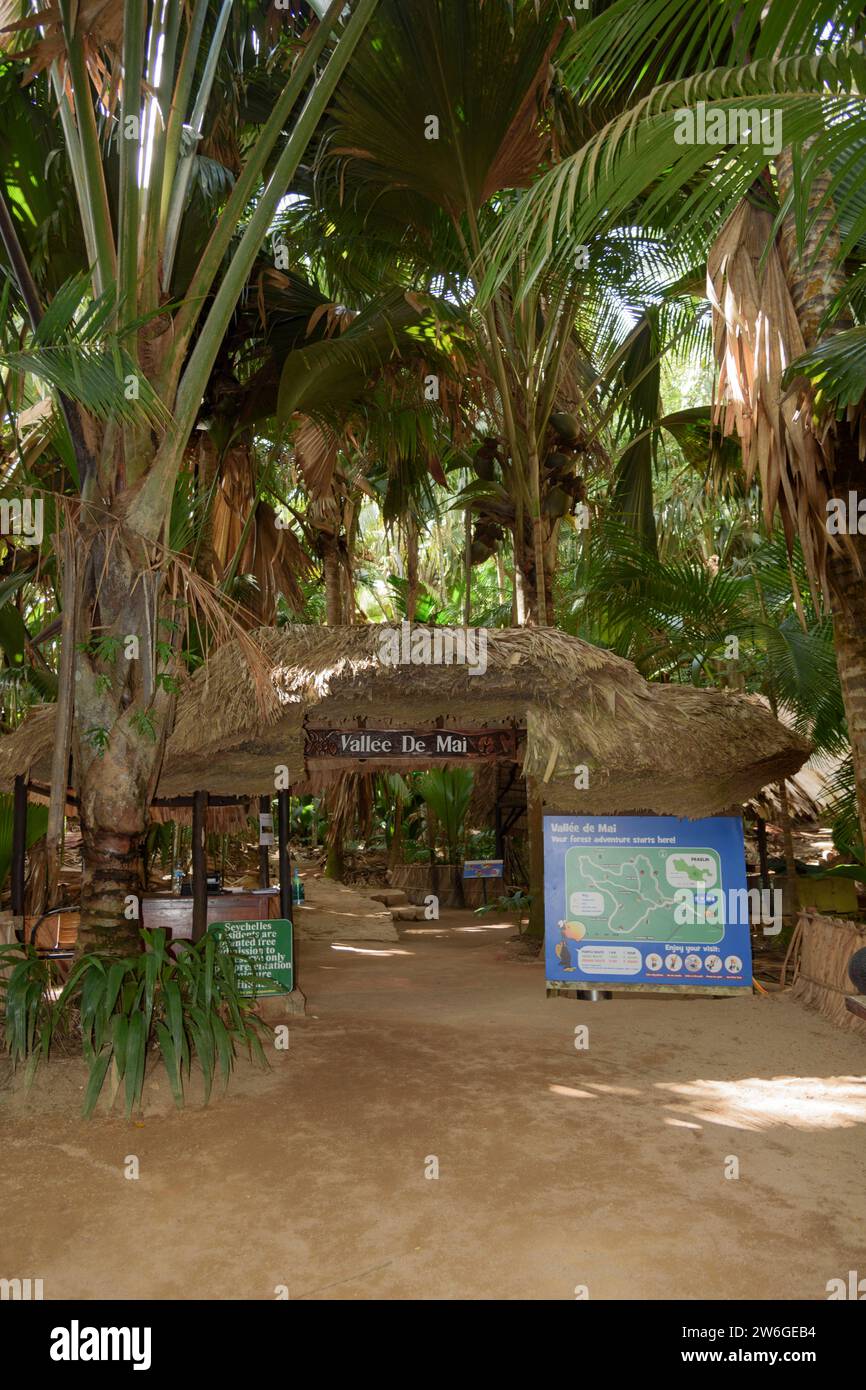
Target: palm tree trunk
{"points": [[848, 589], [333, 586], [335, 834], [541, 612], [537, 602], [500, 577], [395, 849], [787, 835], [814, 279], [207, 464], [120, 719], [412, 581]]}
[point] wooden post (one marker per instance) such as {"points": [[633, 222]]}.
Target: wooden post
{"points": [[264, 866], [283, 804], [199, 865], [761, 829], [535, 820], [19, 845]]}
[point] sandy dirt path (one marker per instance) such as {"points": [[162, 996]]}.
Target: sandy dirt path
{"points": [[558, 1167]]}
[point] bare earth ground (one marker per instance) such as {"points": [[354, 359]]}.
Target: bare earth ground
{"points": [[557, 1167]]}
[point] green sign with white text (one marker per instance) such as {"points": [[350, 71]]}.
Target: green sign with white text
{"points": [[264, 948]]}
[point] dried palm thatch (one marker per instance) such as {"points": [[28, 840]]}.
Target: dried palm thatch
{"points": [[802, 806], [662, 749], [335, 675], [246, 540], [822, 950], [220, 820], [659, 748], [756, 335], [669, 750], [27, 751]]}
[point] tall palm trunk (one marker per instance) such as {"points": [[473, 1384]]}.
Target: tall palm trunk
{"points": [[412, 580], [162, 66], [535, 612], [333, 583], [395, 849], [121, 713], [848, 591], [337, 795], [815, 277], [207, 467], [542, 610]]}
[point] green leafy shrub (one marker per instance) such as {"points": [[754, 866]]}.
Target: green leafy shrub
{"points": [[185, 1007], [28, 984], [480, 844]]}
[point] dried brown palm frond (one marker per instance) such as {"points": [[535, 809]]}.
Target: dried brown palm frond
{"points": [[756, 335], [316, 455], [218, 623], [42, 877], [337, 319], [99, 23], [349, 802], [246, 539], [528, 139]]}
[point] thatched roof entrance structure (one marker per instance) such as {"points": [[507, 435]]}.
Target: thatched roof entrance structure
{"points": [[659, 749]]}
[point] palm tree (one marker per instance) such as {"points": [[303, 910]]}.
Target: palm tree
{"points": [[419, 157], [133, 85], [785, 272]]}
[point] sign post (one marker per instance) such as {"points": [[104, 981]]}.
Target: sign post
{"points": [[646, 903], [484, 869], [269, 950]]}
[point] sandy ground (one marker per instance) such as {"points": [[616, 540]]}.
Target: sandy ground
{"points": [[558, 1167]]}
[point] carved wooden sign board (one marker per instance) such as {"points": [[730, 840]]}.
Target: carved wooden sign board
{"points": [[325, 746]]}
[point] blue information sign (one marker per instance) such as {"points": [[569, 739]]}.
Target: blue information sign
{"points": [[483, 868], [649, 900]]}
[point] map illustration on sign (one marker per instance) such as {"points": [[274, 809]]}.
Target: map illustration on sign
{"points": [[631, 895], [646, 900]]}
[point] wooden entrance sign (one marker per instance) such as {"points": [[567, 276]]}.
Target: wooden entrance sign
{"points": [[406, 747]]}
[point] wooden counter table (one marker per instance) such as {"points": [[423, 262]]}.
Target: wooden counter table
{"points": [[175, 914]]}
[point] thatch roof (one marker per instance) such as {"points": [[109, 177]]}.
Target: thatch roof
{"points": [[27, 751], [663, 749]]}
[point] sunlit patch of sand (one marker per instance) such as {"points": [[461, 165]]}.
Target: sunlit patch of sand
{"points": [[801, 1102]]}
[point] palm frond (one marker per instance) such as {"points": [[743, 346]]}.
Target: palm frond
{"points": [[637, 168], [104, 381]]}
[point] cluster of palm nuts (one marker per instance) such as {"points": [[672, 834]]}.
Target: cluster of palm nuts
{"points": [[562, 486]]}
